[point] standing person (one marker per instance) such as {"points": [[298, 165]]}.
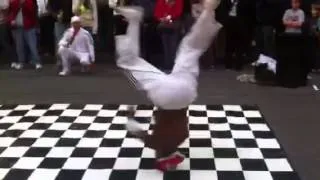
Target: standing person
{"points": [[238, 25], [164, 90], [294, 18], [87, 10], [4, 40], [62, 13], [168, 14], [268, 24], [46, 24], [76, 45], [23, 20]]}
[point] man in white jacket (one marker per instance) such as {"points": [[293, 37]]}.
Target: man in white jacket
{"points": [[76, 45], [171, 93]]}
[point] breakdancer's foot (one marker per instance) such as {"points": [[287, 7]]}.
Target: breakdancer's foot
{"points": [[134, 128], [169, 163], [134, 13]]}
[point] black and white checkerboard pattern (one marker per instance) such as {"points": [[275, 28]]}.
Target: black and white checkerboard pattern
{"points": [[90, 142]]}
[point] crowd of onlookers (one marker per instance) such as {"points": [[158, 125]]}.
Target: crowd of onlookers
{"points": [[250, 27]]}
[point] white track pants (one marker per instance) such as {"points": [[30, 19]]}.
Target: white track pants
{"points": [[69, 56]]}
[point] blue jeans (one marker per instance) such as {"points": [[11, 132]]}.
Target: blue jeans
{"points": [[28, 36]]}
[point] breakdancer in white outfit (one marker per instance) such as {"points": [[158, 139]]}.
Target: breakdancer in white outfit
{"points": [[76, 45], [171, 93]]}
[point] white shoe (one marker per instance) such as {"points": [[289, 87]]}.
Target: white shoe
{"points": [[17, 66], [38, 66], [63, 73], [131, 13]]}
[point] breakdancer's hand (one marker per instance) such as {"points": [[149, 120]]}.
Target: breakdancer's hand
{"points": [[131, 111]]}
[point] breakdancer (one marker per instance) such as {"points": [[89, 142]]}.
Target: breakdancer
{"points": [[170, 93]]}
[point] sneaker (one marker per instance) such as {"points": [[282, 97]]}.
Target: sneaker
{"points": [[64, 73], [38, 66], [170, 163], [17, 66]]}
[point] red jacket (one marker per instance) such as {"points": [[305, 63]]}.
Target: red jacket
{"points": [[163, 9], [29, 12]]}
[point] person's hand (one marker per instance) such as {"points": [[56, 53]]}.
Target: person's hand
{"points": [[13, 23]]}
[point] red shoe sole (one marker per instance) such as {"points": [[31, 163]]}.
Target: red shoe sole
{"points": [[170, 163]]}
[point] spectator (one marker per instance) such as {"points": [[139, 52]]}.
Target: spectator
{"points": [[88, 12], [294, 18], [46, 24], [23, 20], [4, 40], [62, 13], [238, 25], [169, 13], [268, 24], [76, 45]]}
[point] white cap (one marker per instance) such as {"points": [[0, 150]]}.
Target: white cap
{"points": [[75, 19]]}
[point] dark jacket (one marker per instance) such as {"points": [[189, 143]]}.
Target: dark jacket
{"points": [[270, 12], [245, 11], [56, 6]]}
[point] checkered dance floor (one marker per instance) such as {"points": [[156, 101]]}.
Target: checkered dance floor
{"points": [[90, 142]]}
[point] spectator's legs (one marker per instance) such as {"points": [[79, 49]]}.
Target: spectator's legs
{"points": [[59, 29], [47, 39], [170, 42], [4, 42], [242, 38], [17, 35], [231, 42], [268, 41], [31, 40]]}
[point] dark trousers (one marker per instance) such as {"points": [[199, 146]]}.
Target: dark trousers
{"points": [[265, 39], [237, 42], [47, 37], [170, 42], [5, 47]]}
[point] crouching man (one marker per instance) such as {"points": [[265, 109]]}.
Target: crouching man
{"points": [[76, 46]]}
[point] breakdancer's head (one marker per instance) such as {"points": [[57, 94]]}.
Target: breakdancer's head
{"points": [[76, 23]]}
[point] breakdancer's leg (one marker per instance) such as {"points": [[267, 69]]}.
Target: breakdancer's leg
{"points": [[142, 73], [197, 41]]}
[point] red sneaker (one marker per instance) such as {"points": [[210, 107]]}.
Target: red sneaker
{"points": [[169, 163]]}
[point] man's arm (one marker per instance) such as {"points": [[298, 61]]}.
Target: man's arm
{"points": [[301, 19], [65, 38], [285, 19]]}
